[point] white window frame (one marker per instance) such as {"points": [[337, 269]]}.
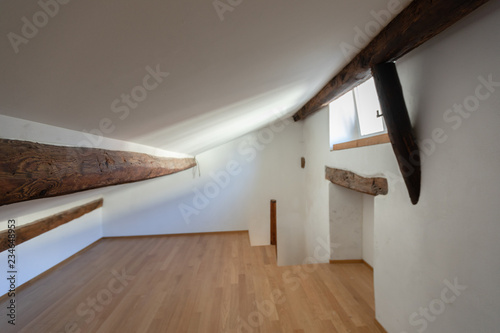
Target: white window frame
{"points": [[342, 135]]}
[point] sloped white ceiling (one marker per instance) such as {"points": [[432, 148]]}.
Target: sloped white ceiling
{"points": [[225, 77]]}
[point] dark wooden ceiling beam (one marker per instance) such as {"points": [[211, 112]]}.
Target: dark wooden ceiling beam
{"points": [[397, 120], [31, 170], [29, 231], [416, 24], [372, 186]]}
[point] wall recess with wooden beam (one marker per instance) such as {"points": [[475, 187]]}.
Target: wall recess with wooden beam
{"points": [[31, 170], [372, 186], [416, 24], [31, 230]]}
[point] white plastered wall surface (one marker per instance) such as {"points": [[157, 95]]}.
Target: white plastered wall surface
{"points": [[436, 264], [231, 192], [452, 233]]}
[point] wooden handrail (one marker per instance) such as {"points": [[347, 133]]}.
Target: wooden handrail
{"points": [[29, 231]]}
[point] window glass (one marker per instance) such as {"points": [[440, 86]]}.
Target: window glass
{"points": [[367, 105], [353, 116], [343, 120]]}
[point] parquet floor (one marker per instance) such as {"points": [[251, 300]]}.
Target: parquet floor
{"points": [[201, 283]]}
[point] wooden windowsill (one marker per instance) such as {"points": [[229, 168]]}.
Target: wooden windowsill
{"points": [[372, 140]]}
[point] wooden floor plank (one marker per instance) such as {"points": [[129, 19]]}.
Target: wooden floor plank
{"points": [[201, 283]]}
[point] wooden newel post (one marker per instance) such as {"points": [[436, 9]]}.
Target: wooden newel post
{"points": [[274, 237], [397, 120]]}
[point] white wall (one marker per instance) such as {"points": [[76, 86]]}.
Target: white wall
{"points": [[37, 255], [370, 161], [45, 251], [346, 223], [351, 224], [19, 129], [368, 226], [453, 233], [238, 180]]}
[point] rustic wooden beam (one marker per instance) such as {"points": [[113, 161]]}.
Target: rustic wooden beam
{"points": [[29, 231], [274, 237], [397, 120], [31, 170], [350, 180], [416, 24]]}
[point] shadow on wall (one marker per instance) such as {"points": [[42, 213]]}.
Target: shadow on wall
{"points": [[346, 223], [215, 128]]}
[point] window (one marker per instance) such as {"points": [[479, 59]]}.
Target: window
{"points": [[356, 115]]}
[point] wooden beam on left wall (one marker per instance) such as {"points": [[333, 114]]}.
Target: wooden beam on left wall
{"points": [[416, 24], [31, 230], [31, 170]]}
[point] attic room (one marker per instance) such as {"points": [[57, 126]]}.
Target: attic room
{"points": [[250, 166]]}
